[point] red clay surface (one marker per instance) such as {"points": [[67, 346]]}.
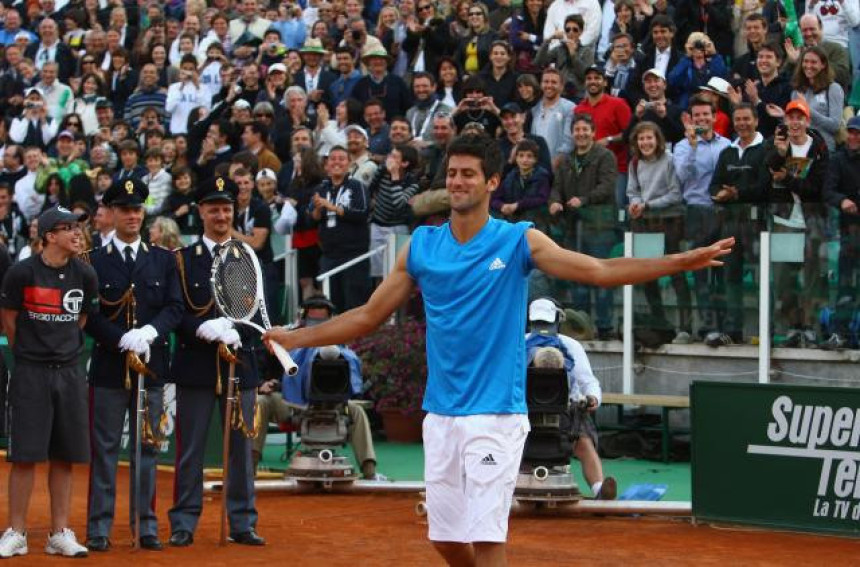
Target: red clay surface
{"points": [[384, 530]]}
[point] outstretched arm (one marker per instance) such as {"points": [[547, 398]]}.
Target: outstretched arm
{"points": [[555, 261], [392, 293]]}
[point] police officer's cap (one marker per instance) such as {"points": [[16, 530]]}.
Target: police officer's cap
{"points": [[218, 188], [131, 192]]}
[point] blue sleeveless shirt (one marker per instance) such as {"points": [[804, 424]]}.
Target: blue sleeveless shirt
{"points": [[475, 299]]}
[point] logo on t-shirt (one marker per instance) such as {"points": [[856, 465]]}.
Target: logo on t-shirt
{"points": [[73, 300], [497, 264], [488, 460]]}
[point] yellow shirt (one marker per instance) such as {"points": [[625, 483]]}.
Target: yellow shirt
{"points": [[472, 65]]}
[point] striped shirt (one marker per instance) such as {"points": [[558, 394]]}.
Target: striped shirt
{"points": [[391, 198]]}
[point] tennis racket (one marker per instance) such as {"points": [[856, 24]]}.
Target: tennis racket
{"points": [[237, 286]]}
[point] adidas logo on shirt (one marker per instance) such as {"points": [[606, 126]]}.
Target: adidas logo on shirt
{"points": [[489, 460], [497, 264]]}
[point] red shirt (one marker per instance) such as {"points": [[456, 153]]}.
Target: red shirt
{"points": [[611, 116]]}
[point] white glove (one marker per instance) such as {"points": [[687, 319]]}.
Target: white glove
{"points": [[230, 337], [149, 333], [212, 329], [135, 340]]}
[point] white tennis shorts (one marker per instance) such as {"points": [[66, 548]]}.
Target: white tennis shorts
{"points": [[470, 471]]}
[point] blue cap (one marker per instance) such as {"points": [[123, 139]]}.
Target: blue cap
{"points": [[853, 123]]}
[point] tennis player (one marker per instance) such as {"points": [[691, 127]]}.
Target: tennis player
{"points": [[477, 418]]}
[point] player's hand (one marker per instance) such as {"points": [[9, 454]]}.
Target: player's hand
{"points": [[707, 256], [280, 335]]}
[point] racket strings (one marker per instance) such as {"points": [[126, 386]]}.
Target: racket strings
{"points": [[236, 285]]}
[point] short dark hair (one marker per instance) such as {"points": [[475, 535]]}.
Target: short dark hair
{"points": [[129, 146], [756, 17], [699, 100], [662, 21], [409, 154], [258, 128], [247, 159], [480, 146], [745, 106], [424, 75], [577, 19], [774, 48], [474, 83], [528, 145]]}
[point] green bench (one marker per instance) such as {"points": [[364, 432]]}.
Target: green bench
{"points": [[666, 405]]}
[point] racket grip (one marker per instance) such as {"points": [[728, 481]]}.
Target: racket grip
{"points": [[285, 359]]}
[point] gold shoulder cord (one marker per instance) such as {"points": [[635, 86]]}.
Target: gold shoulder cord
{"points": [[198, 310], [237, 419]]}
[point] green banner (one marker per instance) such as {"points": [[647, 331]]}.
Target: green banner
{"points": [[777, 455]]}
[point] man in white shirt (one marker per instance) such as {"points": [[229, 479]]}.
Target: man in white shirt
{"points": [[185, 95], [590, 11], [26, 197], [59, 98], [251, 24], [552, 117]]}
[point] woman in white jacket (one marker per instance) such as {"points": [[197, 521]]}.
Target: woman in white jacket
{"points": [[92, 87], [185, 95]]}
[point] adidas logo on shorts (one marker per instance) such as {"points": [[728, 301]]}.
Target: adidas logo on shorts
{"points": [[489, 460], [497, 264]]}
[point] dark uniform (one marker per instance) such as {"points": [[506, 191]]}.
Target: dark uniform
{"points": [[196, 370], [144, 291]]}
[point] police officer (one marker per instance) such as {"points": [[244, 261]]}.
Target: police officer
{"points": [[200, 377], [141, 304]]}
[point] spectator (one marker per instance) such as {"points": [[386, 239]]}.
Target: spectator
{"points": [[524, 191], [797, 158], [427, 105], [104, 227], [13, 165], [611, 117], [341, 88], [13, 224], [813, 36], [308, 174], [449, 89], [12, 27], [129, 157], [382, 85], [314, 78], [526, 35], [499, 77], [660, 52], [252, 225], [583, 194], [836, 18], [340, 207], [814, 86], [393, 184], [621, 68], [842, 190], [149, 94], [28, 199], [254, 137], [556, 18], [711, 17], [654, 193], [737, 188], [219, 32], [158, 180], [50, 48], [695, 163], [179, 205], [717, 91], [164, 232], [745, 67], [552, 117], [569, 56], [215, 148], [247, 31], [361, 167], [427, 38], [121, 79], [696, 68], [34, 127], [513, 125], [473, 51], [58, 97], [214, 59], [657, 108], [769, 93], [185, 95], [92, 87]]}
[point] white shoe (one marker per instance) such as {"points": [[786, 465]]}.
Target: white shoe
{"points": [[13, 543], [64, 543]]}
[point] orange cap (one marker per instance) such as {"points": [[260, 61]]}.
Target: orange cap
{"points": [[798, 105]]}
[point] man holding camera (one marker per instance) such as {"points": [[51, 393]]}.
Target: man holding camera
{"points": [[657, 108], [148, 94], [185, 95], [34, 128]]}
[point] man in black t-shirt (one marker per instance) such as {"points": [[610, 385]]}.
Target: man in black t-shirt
{"points": [[45, 301]]}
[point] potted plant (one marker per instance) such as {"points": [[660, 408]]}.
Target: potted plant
{"points": [[394, 360]]}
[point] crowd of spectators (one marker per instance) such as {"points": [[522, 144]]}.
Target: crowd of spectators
{"points": [[687, 118]]}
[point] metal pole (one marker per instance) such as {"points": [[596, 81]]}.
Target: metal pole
{"points": [[138, 442], [225, 448], [764, 309], [627, 325]]}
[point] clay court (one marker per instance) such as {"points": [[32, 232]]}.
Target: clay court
{"points": [[384, 530]]}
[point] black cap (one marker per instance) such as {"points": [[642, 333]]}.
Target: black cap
{"points": [[102, 102], [595, 69], [217, 189], [56, 215], [511, 107], [131, 192]]}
